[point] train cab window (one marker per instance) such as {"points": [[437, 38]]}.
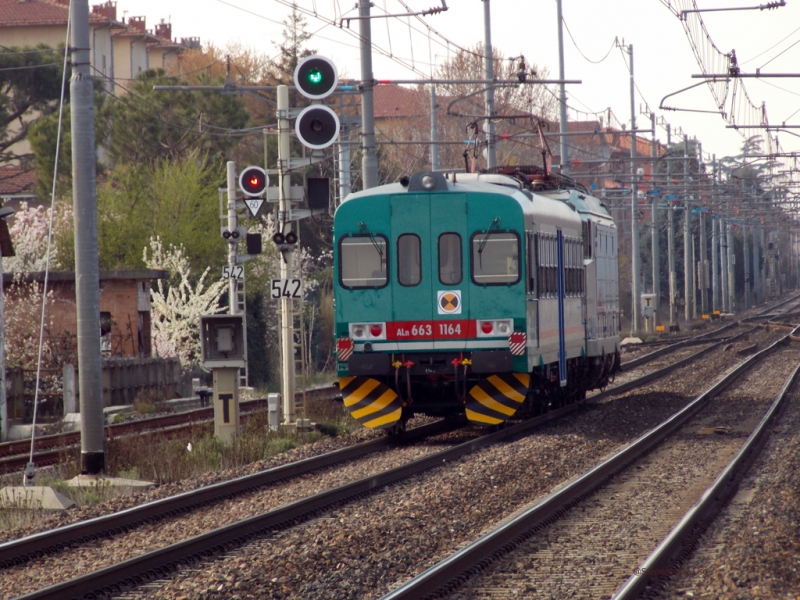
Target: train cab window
{"points": [[450, 271], [531, 244], [495, 258], [409, 268], [363, 261]]}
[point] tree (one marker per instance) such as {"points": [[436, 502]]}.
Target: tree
{"points": [[30, 87], [176, 309], [145, 126], [29, 232]]}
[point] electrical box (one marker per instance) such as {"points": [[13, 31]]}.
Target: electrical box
{"points": [[648, 305], [222, 341]]}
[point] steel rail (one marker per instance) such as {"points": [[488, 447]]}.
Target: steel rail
{"points": [[62, 441], [452, 571], [163, 561], [640, 381], [53, 540], [691, 341], [696, 520]]}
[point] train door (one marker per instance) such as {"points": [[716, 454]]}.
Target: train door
{"points": [[413, 282], [449, 277], [532, 299], [562, 342]]}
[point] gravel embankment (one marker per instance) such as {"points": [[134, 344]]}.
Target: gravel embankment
{"points": [[599, 544]]}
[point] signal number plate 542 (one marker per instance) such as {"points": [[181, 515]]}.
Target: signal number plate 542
{"points": [[286, 288]]}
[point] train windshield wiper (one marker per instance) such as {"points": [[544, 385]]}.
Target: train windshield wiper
{"points": [[372, 239], [486, 239]]}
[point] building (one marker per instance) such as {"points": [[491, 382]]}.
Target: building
{"points": [[125, 322]]}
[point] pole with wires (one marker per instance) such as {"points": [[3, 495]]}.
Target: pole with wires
{"points": [[562, 95], [488, 71], [87, 268]]}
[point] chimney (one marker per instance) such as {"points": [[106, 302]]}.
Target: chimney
{"points": [[137, 24], [164, 30], [191, 42], [107, 10]]}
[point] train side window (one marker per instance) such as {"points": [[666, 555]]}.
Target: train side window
{"points": [[531, 254], [495, 258], [450, 261], [363, 261], [409, 267], [587, 239]]}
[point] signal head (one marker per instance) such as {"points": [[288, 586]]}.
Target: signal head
{"points": [[317, 126], [291, 237], [316, 77], [253, 181]]}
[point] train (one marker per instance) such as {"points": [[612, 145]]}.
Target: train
{"points": [[491, 295]]}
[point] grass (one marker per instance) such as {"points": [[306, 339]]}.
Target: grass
{"points": [[168, 460]]}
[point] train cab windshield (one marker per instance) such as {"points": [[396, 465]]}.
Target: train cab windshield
{"points": [[363, 261], [495, 258]]}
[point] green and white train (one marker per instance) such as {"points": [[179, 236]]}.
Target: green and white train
{"points": [[485, 294]]}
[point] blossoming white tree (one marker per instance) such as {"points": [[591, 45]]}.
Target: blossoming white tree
{"points": [[176, 309]]}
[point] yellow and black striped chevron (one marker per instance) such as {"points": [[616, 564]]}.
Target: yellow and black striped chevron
{"points": [[370, 402], [496, 398]]}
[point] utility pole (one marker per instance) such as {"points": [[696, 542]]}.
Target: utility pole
{"points": [[287, 267], [757, 295], [714, 264], [746, 256], [369, 160], [488, 69], [655, 251], [233, 224], [702, 267], [673, 276], [731, 271], [562, 98], [687, 236], [87, 267], [723, 266], [636, 291], [434, 132]]}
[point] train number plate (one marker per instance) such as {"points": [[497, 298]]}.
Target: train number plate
{"points": [[426, 330]]}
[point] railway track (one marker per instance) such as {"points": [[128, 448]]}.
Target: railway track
{"points": [[51, 449], [160, 566], [157, 563], [567, 544]]}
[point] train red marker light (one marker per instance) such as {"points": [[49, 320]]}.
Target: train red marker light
{"points": [[487, 327], [376, 330]]}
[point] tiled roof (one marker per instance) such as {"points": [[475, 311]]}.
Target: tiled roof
{"points": [[14, 180], [14, 13], [395, 101]]}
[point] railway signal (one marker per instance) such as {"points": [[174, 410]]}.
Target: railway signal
{"points": [[317, 126], [316, 77]]}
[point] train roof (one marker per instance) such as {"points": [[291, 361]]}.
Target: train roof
{"points": [[560, 204]]}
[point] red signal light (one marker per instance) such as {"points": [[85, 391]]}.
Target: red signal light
{"points": [[487, 327], [376, 330], [253, 181]]}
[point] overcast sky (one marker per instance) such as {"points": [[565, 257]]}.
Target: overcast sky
{"points": [[663, 58]]}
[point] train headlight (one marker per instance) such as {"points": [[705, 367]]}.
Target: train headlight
{"points": [[358, 331], [495, 327], [428, 182], [368, 331]]}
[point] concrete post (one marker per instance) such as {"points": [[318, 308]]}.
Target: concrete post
{"points": [[68, 385], [369, 160], [434, 132], [673, 276], [731, 270], [687, 237], [746, 255], [287, 266], [723, 267], [757, 295], [715, 300], [655, 250], [87, 269], [488, 72], [701, 276], [636, 290], [562, 95]]}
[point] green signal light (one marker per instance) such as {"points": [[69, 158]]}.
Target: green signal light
{"points": [[315, 76]]}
